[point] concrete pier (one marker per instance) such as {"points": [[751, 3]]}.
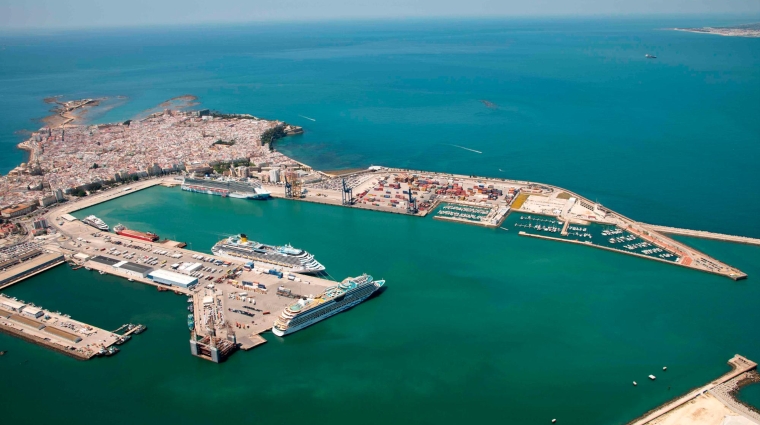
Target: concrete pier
{"points": [[739, 365], [703, 234], [53, 330], [29, 268]]}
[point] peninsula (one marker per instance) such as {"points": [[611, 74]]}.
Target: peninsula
{"points": [[72, 161], [748, 30]]}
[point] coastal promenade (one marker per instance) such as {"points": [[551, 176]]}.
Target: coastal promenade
{"points": [[702, 234], [739, 364]]}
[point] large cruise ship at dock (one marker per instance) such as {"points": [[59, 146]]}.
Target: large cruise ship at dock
{"points": [[289, 258], [334, 300], [95, 222], [225, 188]]}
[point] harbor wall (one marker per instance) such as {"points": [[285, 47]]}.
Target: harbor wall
{"points": [[41, 342], [590, 244]]}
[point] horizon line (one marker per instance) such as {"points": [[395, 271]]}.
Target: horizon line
{"points": [[750, 18]]}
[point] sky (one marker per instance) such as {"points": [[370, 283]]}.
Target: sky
{"points": [[31, 14]]}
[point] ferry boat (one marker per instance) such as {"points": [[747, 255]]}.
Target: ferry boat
{"points": [[225, 188], [95, 222], [290, 258], [119, 229], [334, 300]]}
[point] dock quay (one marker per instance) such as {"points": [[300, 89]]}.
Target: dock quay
{"points": [[418, 193], [30, 267], [54, 330], [245, 303], [679, 262], [702, 234], [740, 367]]}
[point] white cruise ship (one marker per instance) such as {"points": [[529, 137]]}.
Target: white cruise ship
{"points": [[226, 188], [289, 258], [95, 222], [335, 299]]}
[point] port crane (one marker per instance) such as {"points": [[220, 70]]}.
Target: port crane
{"points": [[411, 206], [288, 188], [347, 194]]}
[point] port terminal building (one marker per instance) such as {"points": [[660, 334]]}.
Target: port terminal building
{"points": [[174, 279]]}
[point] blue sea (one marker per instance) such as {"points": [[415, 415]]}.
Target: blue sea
{"points": [[477, 325], [673, 140]]}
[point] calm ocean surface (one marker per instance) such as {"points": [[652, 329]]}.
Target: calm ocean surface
{"points": [[477, 324]]}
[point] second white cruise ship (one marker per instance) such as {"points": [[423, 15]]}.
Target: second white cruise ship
{"points": [[335, 299], [289, 258]]}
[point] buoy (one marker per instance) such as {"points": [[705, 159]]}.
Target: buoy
{"points": [[665, 368], [634, 383]]}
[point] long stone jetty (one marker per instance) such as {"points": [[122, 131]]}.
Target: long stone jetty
{"points": [[702, 234], [739, 366]]}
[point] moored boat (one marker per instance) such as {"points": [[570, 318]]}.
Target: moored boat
{"points": [[95, 222], [121, 230], [334, 300], [289, 258]]}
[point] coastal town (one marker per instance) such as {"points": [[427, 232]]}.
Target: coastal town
{"points": [[72, 167], [74, 159], [215, 151]]}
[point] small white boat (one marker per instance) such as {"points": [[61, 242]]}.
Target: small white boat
{"points": [[634, 383], [652, 377], [102, 272]]}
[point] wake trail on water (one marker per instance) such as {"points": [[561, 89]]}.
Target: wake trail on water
{"points": [[302, 116], [467, 149]]}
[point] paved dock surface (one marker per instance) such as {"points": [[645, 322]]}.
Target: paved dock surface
{"points": [[56, 331]]}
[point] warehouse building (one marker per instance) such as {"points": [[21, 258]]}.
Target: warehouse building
{"points": [[102, 259], [33, 312], [170, 278], [12, 305], [132, 269]]}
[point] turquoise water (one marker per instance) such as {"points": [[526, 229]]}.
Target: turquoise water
{"points": [[578, 105], [476, 325]]}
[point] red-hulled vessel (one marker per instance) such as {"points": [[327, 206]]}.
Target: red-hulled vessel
{"points": [[143, 236]]}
